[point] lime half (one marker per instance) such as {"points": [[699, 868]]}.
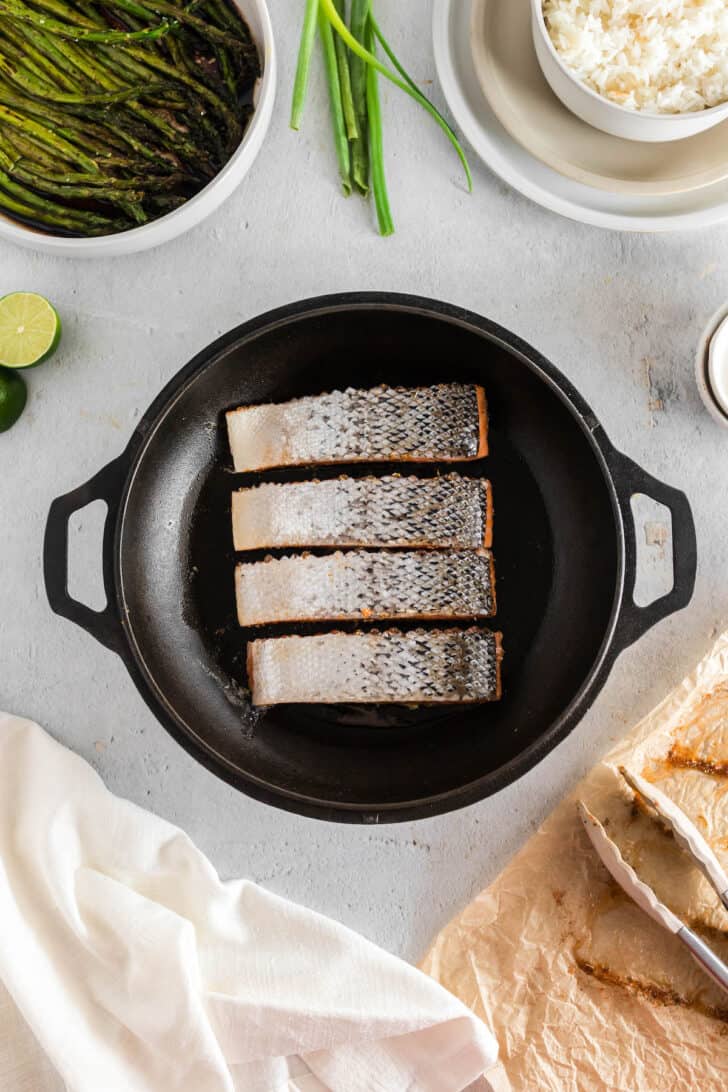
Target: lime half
{"points": [[30, 330], [13, 394]]}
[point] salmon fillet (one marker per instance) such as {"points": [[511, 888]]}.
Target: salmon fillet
{"points": [[448, 512], [420, 667], [360, 584], [447, 422]]}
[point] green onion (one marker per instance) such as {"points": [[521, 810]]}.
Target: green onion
{"points": [[376, 148], [342, 58], [409, 89], [406, 76], [352, 74], [360, 145], [308, 36], [337, 112]]}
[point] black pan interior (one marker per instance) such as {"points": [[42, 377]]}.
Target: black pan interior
{"points": [[556, 549]]}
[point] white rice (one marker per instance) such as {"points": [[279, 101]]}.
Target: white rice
{"points": [[664, 56]]}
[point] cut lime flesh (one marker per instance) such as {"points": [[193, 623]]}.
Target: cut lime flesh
{"points": [[30, 330]]}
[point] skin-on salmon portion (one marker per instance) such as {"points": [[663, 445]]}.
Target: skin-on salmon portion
{"points": [[448, 512], [360, 584], [447, 422], [423, 666]]}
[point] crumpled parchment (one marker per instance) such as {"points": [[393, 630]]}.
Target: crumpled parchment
{"points": [[582, 990]]}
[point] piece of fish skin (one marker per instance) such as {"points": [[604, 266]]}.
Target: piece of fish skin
{"points": [[447, 512], [363, 584], [444, 423], [423, 667]]}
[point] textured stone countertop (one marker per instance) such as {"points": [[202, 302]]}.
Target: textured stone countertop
{"points": [[619, 314]]}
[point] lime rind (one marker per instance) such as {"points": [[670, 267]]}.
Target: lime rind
{"points": [[30, 330], [13, 396]]}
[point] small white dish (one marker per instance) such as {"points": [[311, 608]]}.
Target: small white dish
{"points": [[520, 168], [711, 366], [203, 203], [609, 116], [718, 366]]}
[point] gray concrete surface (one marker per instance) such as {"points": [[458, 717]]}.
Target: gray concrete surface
{"points": [[619, 314]]}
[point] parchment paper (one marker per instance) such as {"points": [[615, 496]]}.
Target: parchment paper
{"points": [[583, 991]]}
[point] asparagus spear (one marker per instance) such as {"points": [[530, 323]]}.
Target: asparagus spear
{"points": [[31, 86], [46, 136], [14, 9], [19, 199], [231, 122], [177, 16], [78, 184], [67, 125], [24, 52], [68, 12]]}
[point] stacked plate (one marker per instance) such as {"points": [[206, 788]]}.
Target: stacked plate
{"points": [[496, 91]]}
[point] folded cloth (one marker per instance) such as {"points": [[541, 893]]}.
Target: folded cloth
{"points": [[129, 966]]}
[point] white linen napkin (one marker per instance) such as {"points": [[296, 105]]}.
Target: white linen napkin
{"points": [[129, 966]]}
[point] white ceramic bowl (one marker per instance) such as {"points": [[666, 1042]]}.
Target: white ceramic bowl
{"points": [[203, 203], [701, 367], [604, 114]]}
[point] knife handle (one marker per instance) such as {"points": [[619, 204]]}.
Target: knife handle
{"points": [[705, 956]]}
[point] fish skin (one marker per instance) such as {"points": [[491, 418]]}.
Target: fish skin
{"points": [[424, 667], [446, 512], [366, 585], [444, 423]]}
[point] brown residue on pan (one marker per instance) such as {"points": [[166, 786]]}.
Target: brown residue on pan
{"points": [[656, 995], [685, 759]]}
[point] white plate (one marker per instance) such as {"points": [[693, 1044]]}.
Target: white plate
{"points": [[536, 180], [511, 79]]}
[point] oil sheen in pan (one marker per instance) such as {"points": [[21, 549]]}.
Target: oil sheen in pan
{"points": [[523, 577]]}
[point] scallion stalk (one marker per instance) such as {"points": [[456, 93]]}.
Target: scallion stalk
{"points": [[342, 58], [341, 142], [308, 37], [402, 71], [358, 68], [370, 59], [376, 143]]}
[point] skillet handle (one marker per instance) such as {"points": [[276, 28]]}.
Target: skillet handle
{"points": [[104, 625], [629, 479]]}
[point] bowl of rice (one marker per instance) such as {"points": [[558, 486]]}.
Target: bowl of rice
{"points": [[652, 70]]}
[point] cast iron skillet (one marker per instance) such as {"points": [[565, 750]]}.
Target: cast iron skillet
{"points": [[564, 547]]}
